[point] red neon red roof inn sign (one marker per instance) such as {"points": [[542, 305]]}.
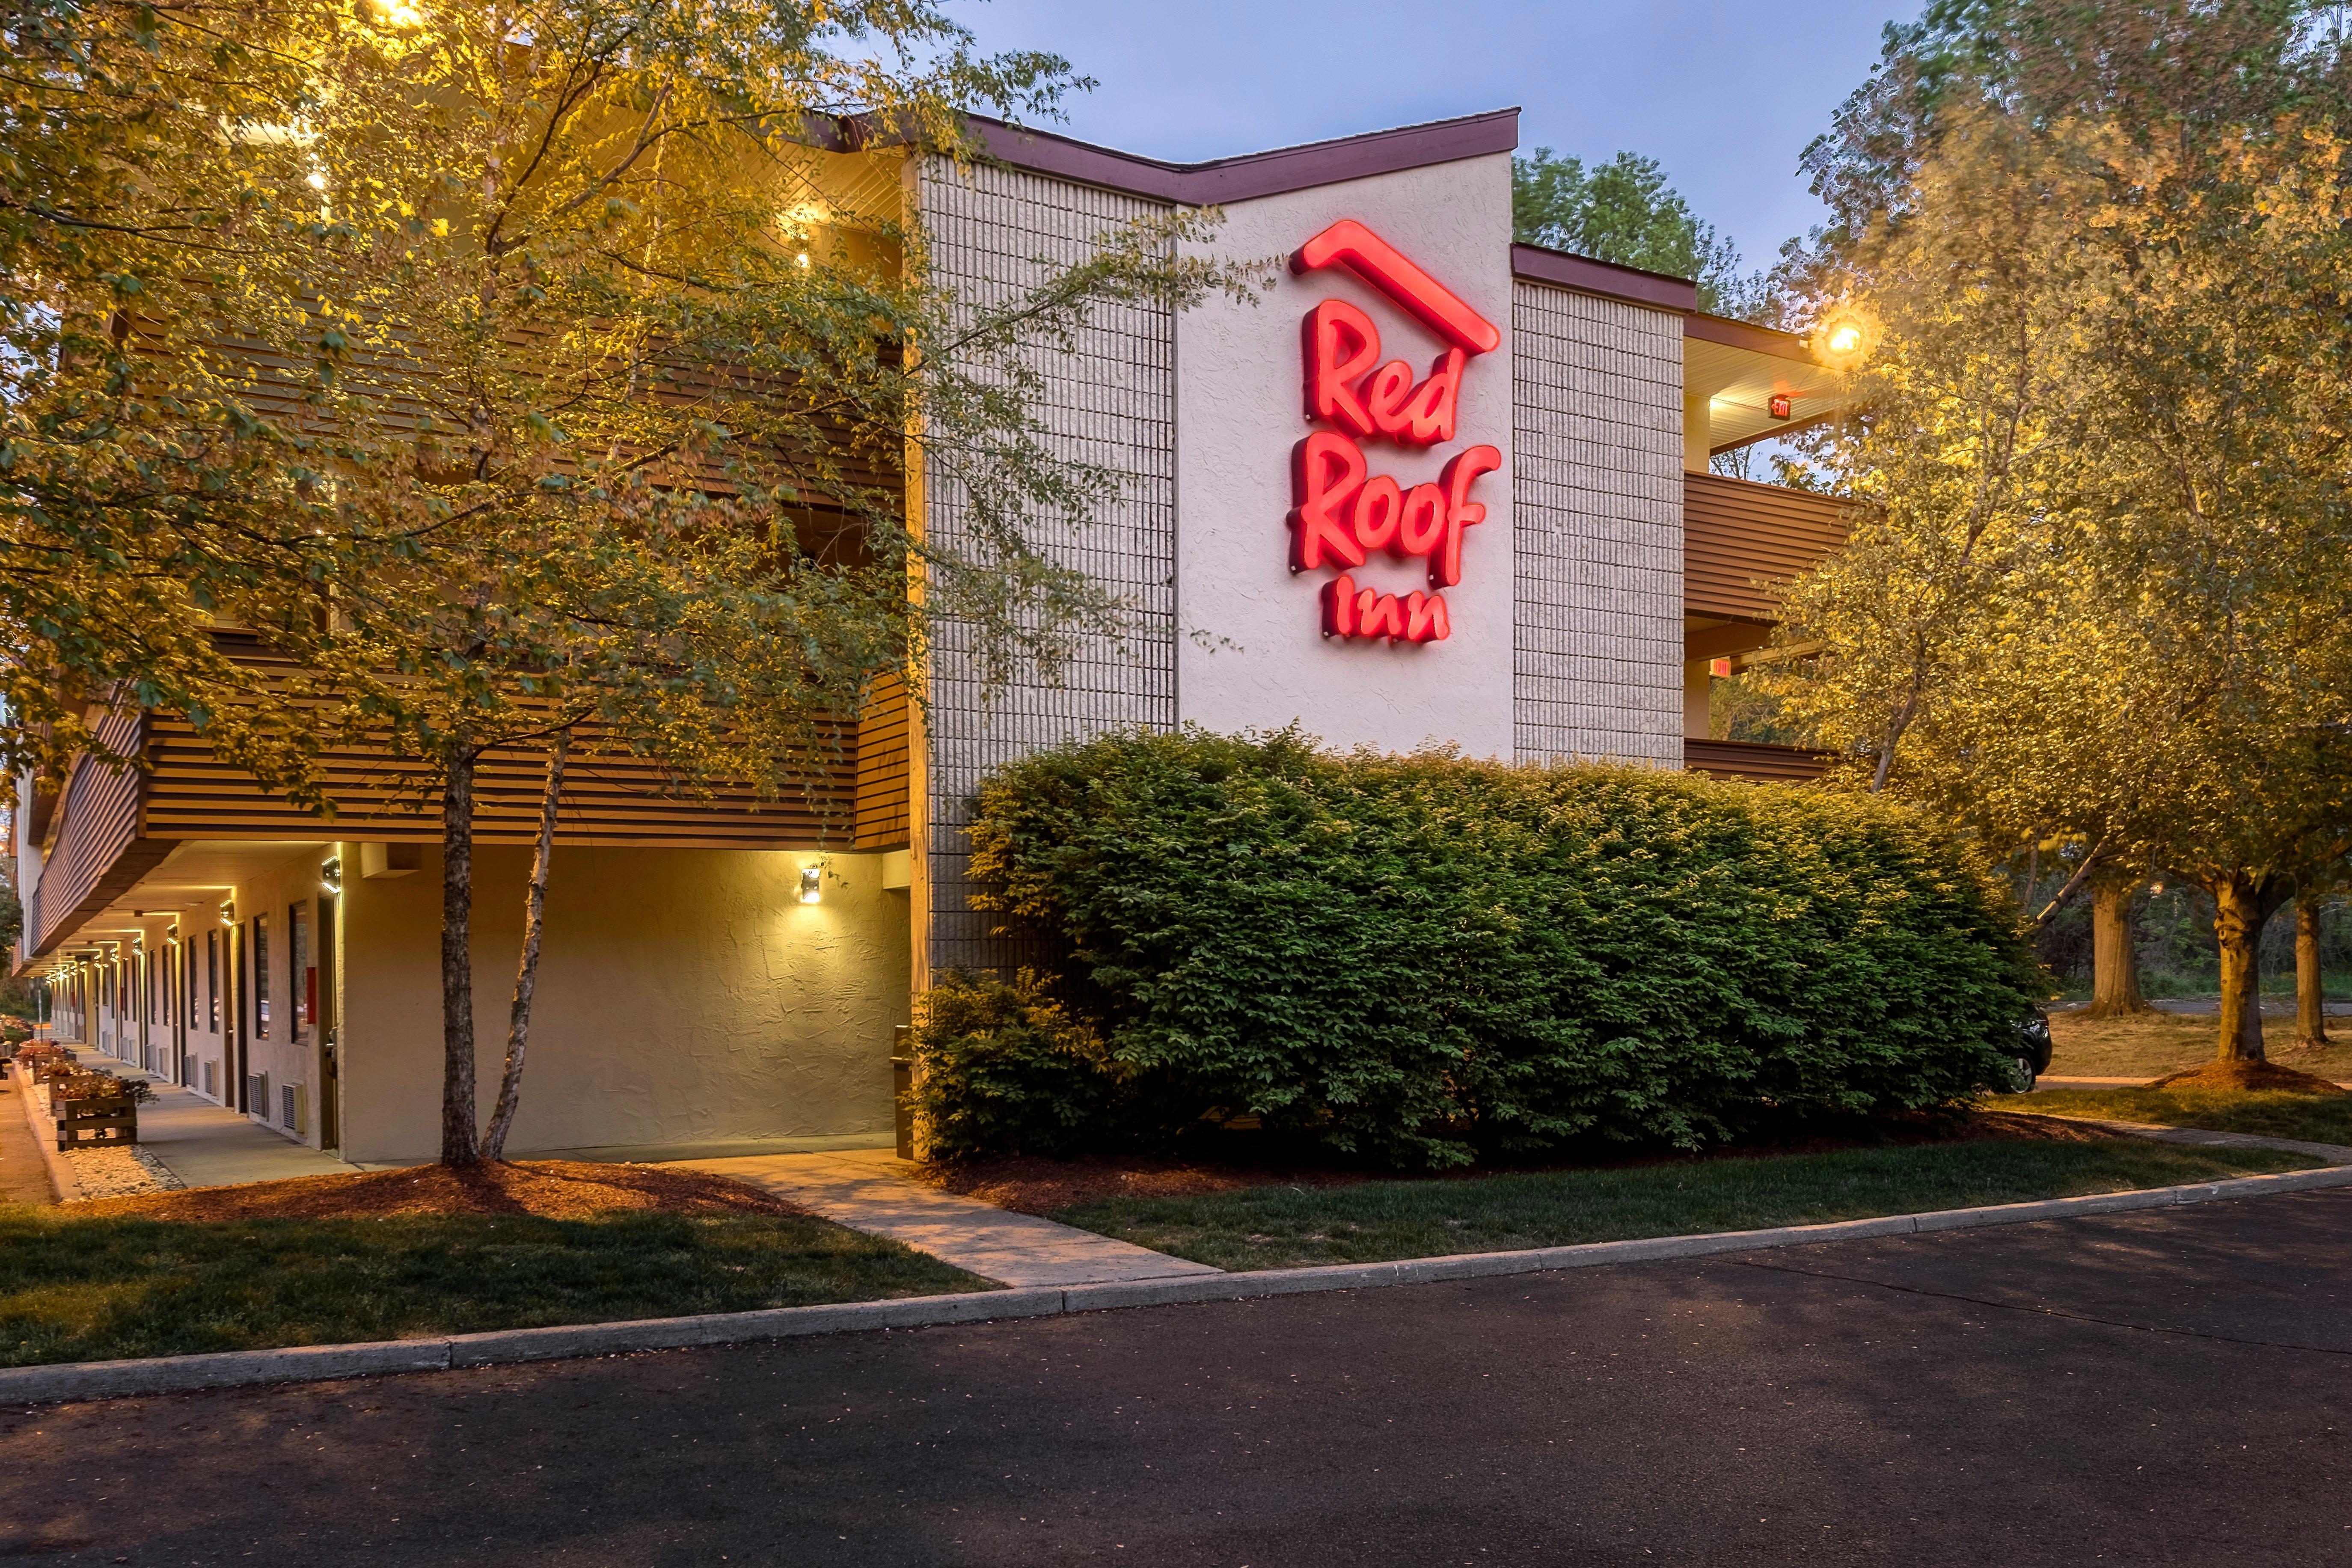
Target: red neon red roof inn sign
{"points": [[1342, 513]]}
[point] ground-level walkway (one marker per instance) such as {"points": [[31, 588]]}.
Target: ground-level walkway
{"points": [[208, 1145], [874, 1191], [23, 1174], [202, 1144]]}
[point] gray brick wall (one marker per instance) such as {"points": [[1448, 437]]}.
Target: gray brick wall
{"points": [[1597, 499], [995, 233]]}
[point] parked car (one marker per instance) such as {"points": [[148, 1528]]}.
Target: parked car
{"points": [[2033, 1054]]}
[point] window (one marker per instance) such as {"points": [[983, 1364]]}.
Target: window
{"points": [[212, 976], [301, 980], [261, 975]]}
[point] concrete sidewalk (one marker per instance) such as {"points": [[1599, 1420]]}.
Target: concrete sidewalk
{"points": [[874, 1191], [23, 1174], [208, 1145]]}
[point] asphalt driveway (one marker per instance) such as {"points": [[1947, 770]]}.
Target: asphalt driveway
{"points": [[2167, 1387]]}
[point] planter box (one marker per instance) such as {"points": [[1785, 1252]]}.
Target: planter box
{"points": [[107, 1119]]}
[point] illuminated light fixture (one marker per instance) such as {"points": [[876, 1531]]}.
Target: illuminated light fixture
{"points": [[2155, 890], [331, 876], [804, 259], [1720, 668], [1844, 339], [1780, 406], [811, 884], [228, 913]]}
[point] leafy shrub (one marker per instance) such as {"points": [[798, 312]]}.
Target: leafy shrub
{"points": [[1004, 1070], [1421, 959]]}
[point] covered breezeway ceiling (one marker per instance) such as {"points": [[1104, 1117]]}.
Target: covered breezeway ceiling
{"points": [[1731, 372]]}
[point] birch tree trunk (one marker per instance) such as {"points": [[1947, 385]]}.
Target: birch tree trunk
{"points": [[460, 1144], [494, 1144], [2114, 963], [2310, 1012]]}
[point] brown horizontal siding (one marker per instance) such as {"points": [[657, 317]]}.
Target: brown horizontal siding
{"points": [[609, 800], [882, 770], [1736, 534], [1755, 761], [99, 852]]}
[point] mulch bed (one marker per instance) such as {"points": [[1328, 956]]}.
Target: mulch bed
{"points": [[1032, 1185], [2240, 1077], [549, 1189]]}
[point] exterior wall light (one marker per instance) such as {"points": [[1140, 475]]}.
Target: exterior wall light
{"points": [[331, 876], [811, 884], [1845, 338], [228, 911]]}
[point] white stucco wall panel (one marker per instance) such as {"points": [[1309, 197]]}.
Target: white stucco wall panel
{"points": [[1261, 660], [685, 997]]}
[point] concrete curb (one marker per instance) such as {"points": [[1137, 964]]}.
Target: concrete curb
{"points": [[308, 1364]]}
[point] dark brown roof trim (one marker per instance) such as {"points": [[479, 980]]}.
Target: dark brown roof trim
{"points": [[1587, 276], [1256, 174], [1748, 335]]}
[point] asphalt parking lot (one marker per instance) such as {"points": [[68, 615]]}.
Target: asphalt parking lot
{"points": [[2145, 1388]]}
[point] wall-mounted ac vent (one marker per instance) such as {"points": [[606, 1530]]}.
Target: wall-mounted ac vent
{"points": [[257, 1093], [293, 1108], [210, 1092]]}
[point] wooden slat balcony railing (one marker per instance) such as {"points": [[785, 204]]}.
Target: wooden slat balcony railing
{"points": [[115, 828], [1755, 761], [98, 853], [1736, 534]]}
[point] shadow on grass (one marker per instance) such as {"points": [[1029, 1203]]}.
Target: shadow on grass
{"points": [[2268, 1114], [76, 1288], [1298, 1226]]}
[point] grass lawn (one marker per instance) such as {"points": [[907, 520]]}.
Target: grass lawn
{"points": [[85, 1287], [2269, 1113], [2150, 1045], [1290, 1227]]}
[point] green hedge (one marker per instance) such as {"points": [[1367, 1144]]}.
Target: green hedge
{"points": [[1424, 959]]}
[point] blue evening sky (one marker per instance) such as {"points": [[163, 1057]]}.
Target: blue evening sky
{"points": [[1725, 96]]}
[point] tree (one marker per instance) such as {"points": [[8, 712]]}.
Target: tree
{"points": [[2160, 665], [113, 198], [564, 397], [2151, 71], [1624, 211], [2114, 961], [2310, 979]]}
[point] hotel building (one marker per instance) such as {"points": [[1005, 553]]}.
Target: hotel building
{"points": [[1434, 488]]}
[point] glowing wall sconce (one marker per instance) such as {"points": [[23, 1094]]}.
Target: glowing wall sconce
{"points": [[331, 876], [1845, 338], [811, 884]]}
